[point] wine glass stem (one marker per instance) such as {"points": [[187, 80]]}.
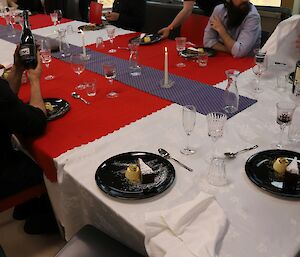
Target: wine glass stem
{"points": [[213, 148], [110, 82], [188, 141], [280, 144]]}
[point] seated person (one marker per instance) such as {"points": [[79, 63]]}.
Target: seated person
{"points": [[206, 5], [34, 6], [283, 43], [18, 171], [128, 14], [234, 27]]}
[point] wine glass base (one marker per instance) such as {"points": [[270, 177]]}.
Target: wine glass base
{"points": [[49, 77], [111, 51], [166, 84], [258, 90], [187, 151], [180, 65], [112, 95]]}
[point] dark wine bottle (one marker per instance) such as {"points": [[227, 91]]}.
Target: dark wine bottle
{"points": [[297, 75], [27, 49]]}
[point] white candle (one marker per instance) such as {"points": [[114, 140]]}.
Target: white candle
{"points": [[83, 43], [166, 74]]}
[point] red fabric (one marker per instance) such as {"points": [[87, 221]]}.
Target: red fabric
{"points": [[153, 56], [37, 21], [193, 28], [84, 123], [95, 12]]}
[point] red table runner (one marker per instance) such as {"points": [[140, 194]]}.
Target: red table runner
{"points": [[153, 56]]}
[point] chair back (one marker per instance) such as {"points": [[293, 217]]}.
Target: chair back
{"points": [[95, 13], [193, 28]]}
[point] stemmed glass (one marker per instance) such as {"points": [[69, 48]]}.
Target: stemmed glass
{"points": [[9, 22], [110, 73], [285, 111], [111, 35], [188, 122], [215, 125], [45, 51], [54, 19], [59, 15], [259, 68], [180, 46], [78, 66]]}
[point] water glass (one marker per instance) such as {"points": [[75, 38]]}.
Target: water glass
{"points": [[281, 82], [180, 46], [134, 67], [217, 172], [90, 87], [45, 52], [78, 66], [110, 72], [231, 94], [69, 30], [100, 43], [111, 35], [202, 59]]}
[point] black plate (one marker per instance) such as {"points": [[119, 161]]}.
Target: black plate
{"points": [[60, 108], [91, 27], [186, 54], [259, 169], [154, 38], [110, 176]]}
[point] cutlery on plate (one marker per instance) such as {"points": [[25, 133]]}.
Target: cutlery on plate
{"points": [[123, 48], [232, 155], [166, 155], [77, 96]]}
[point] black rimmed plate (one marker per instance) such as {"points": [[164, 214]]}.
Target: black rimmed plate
{"points": [[110, 176], [148, 39], [91, 27], [259, 169], [56, 108], [188, 53]]}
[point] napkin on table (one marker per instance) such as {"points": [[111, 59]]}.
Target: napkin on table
{"points": [[188, 230]]}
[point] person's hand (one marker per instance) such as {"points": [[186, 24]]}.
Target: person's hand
{"points": [[165, 32], [217, 24], [112, 16], [35, 74], [17, 60]]}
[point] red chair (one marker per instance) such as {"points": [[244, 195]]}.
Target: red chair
{"points": [[193, 28], [95, 13], [22, 197]]}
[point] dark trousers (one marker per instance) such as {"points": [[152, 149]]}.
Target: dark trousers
{"points": [[18, 173]]}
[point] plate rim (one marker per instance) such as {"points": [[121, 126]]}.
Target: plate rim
{"points": [[68, 107], [262, 186], [114, 194]]}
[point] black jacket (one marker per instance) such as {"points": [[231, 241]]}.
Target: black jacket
{"points": [[132, 14], [208, 5]]}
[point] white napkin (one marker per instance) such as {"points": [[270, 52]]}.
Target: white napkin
{"points": [[281, 45], [188, 230]]}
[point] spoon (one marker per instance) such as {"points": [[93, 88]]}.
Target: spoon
{"points": [[77, 96], [166, 155], [231, 155]]}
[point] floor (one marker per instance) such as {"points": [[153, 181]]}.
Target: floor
{"points": [[16, 243]]}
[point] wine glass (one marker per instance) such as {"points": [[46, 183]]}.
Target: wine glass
{"points": [[110, 73], [78, 66], [261, 65], [215, 125], [111, 35], [285, 111], [188, 122], [54, 19], [45, 52], [180, 46], [59, 15]]}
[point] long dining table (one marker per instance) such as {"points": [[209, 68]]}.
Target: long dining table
{"points": [[145, 118]]}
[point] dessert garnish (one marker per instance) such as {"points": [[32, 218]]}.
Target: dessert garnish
{"points": [[280, 165], [293, 167], [147, 174], [133, 173]]}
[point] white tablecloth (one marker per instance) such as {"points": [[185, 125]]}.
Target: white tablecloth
{"points": [[75, 38], [260, 224], [7, 55]]}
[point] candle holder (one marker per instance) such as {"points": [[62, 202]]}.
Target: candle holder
{"points": [[166, 84], [86, 57]]}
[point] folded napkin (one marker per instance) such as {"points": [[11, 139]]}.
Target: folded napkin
{"points": [[188, 230], [281, 45]]}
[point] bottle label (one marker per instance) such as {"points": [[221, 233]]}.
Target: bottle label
{"points": [[26, 51]]}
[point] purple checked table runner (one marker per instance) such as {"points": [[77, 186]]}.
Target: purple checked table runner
{"points": [[184, 92]]}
